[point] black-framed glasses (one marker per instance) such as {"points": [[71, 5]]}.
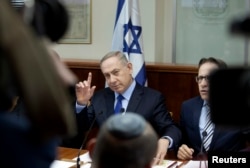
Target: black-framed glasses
{"points": [[200, 78]]}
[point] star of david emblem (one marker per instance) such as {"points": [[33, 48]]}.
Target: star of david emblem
{"points": [[132, 45]]}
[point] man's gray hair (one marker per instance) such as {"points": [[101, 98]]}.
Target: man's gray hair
{"points": [[122, 57]]}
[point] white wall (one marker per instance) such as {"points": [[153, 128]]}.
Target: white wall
{"points": [[155, 29]]}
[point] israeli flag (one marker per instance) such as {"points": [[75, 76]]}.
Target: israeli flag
{"points": [[128, 37]]}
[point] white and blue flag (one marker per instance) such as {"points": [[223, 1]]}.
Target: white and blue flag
{"points": [[128, 37]]}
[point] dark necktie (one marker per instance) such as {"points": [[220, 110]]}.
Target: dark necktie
{"points": [[209, 128], [118, 105]]}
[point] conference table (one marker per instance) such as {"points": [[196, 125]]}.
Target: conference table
{"points": [[66, 158], [68, 153]]}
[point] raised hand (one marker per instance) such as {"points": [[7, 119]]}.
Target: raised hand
{"points": [[84, 90]]}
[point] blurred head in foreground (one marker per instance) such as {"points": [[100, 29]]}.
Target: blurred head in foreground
{"points": [[124, 141], [29, 70], [26, 66], [48, 18]]}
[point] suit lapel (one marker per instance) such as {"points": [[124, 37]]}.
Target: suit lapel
{"points": [[110, 99], [196, 118], [135, 98]]}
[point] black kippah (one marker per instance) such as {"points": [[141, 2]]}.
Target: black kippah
{"points": [[126, 126]]}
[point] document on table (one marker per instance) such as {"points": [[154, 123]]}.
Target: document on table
{"points": [[167, 163], [61, 164], [182, 164], [67, 163], [85, 158], [196, 163]]}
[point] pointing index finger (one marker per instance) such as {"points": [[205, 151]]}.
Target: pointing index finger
{"points": [[89, 78]]}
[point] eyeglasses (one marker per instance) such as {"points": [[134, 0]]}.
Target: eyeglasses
{"points": [[200, 78]]}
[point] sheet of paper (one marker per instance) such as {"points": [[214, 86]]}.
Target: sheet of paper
{"points": [[189, 164], [66, 164], [85, 158], [61, 164], [192, 164], [166, 163]]}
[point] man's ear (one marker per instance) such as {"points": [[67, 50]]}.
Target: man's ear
{"points": [[130, 67], [90, 146]]}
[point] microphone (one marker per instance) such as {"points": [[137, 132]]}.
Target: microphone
{"points": [[204, 134], [122, 111], [85, 139]]}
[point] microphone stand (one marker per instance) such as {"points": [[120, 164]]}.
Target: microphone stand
{"points": [[201, 155], [78, 160]]}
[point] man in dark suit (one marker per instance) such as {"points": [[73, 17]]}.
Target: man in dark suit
{"points": [[193, 120], [145, 101]]}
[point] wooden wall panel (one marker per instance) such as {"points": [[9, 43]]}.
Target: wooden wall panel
{"points": [[176, 82]]}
